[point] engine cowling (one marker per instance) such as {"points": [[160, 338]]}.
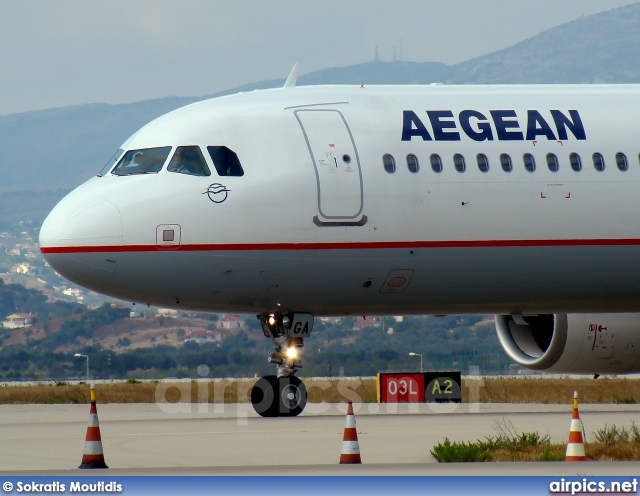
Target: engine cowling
{"points": [[573, 343]]}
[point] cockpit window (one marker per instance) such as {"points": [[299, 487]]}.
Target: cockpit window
{"points": [[112, 161], [225, 161], [143, 161], [189, 160]]}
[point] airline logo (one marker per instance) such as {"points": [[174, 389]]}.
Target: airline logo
{"points": [[217, 192], [502, 125]]}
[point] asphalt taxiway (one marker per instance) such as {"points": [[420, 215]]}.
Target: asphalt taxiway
{"points": [[208, 439]]}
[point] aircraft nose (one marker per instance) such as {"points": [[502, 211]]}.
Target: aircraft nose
{"points": [[75, 223], [77, 235]]}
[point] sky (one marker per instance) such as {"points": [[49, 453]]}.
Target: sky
{"points": [[55, 53]]}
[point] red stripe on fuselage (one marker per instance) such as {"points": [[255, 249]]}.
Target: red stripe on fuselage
{"points": [[375, 245]]}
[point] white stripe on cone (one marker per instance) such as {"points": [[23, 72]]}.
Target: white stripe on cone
{"points": [[93, 447], [350, 447], [575, 449], [576, 425]]}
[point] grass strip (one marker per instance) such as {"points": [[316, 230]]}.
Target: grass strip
{"points": [[485, 390], [612, 444]]}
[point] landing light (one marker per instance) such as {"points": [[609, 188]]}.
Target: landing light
{"points": [[272, 320], [292, 352]]}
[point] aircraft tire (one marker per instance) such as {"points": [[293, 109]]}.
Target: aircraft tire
{"points": [[263, 396]]}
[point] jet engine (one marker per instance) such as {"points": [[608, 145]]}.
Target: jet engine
{"points": [[573, 343]]}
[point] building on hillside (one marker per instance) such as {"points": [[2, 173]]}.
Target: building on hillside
{"points": [[202, 336], [330, 320], [17, 320], [22, 268], [232, 323], [167, 312], [363, 322], [76, 293]]}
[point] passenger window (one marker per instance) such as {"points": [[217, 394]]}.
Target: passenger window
{"points": [[529, 162], [225, 161], [505, 162], [389, 163], [189, 160], [459, 163], [112, 161], [436, 163], [598, 162], [576, 162], [412, 163], [621, 161], [552, 162], [142, 161], [483, 162]]}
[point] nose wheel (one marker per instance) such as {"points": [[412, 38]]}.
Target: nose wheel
{"points": [[284, 394], [273, 396]]}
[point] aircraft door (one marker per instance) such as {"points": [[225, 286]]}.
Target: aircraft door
{"points": [[337, 167]]}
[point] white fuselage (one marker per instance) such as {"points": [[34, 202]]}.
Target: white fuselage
{"points": [[317, 223]]}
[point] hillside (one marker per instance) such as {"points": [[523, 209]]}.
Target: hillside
{"points": [[148, 344], [603, 48], [121, 334]]}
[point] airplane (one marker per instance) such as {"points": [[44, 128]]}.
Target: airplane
{"points": [[304, 201]]}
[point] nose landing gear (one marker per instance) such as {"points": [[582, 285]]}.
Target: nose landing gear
{"points": [[284, 394]]}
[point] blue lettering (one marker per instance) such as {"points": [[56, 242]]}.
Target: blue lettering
{"points": [[439, 125], [537, 126], [484, 131], [503, 126], [479, 128], [574, 124], [413, 126]]}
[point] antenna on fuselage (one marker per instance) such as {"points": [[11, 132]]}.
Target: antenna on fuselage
{"points": [[293, 76]]}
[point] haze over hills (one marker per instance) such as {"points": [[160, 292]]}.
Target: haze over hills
{"points": [[603, 48], [46, 153]]}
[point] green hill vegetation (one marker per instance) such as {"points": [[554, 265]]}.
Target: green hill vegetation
{"points": [[154, 347]]}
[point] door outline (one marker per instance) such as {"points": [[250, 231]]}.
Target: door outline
{"points": [[356, 219]]}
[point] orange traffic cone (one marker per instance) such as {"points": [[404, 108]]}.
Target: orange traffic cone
{"points": [[93, 457], [350, 447], [575, 446]]}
